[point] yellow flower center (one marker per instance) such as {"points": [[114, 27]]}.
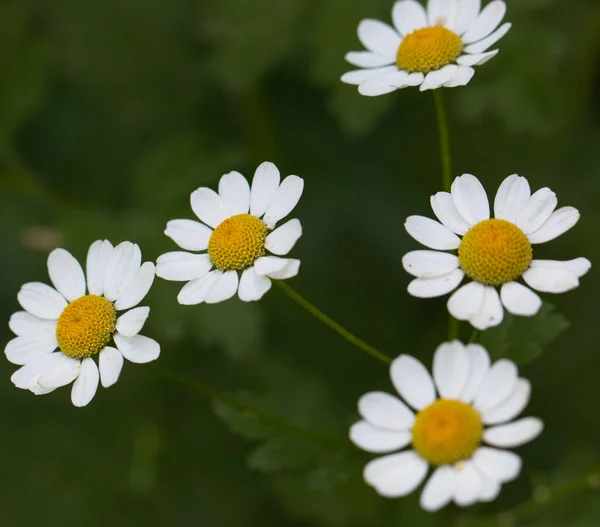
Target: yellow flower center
{"points": [[428, 49], [237, 242], [494, 252], [446, 432], [85, 326]]}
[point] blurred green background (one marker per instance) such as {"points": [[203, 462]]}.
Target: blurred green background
{"points": [[112, 112]]}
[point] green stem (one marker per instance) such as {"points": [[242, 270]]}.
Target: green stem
{"points": [[453, 327], [247, 411], [444, 137], [474, 339], [332, 323]]}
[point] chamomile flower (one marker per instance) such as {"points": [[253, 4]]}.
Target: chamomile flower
{"points": [[82, 324], [462, 431], [430, 48], [237, 230], [494, 252]]}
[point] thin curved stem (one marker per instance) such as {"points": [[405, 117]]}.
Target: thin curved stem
{"points": [[247, 411], [444, 137], [340, 330], [475, 334]]}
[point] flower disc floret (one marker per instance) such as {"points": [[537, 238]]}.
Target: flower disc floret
{"points": [[428, 49], [494, 252], [237, 242], [85, 326], [447, 431]]}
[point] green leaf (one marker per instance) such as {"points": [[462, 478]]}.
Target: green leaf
{"points": [[284, 453], [523, 339]]}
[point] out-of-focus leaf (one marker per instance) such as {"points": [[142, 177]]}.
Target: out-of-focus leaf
{"points": [[522, 339]]}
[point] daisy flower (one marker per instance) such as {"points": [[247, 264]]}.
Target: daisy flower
{"points": [[236, 232], [475, 404], [427, 48], [494, 253], [82, 325]]}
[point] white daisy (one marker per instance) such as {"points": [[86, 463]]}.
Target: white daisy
{"points": [[82, 325], [236, 233], [493, 252], [427, 48], [475, 402]]}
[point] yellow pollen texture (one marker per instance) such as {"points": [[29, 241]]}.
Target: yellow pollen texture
{"points": [[494, 252], [237, 242], [447, 431], [428, 49], [85, 326]]}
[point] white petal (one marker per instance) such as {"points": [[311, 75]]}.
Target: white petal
{"points": [[285, 199], [138, 349], [408, 16], [511, 406], [431, 233], [23, 323], [514, 434], [491, 313], [96, 262], [84, 388], [578, 266], [466, 15], [537, 210], [63, 372], [379, 37], [396, 475], [189, 234], [520, 300], [486, 43], [466, 302], [66, 274], [357, 77], [445, 210], [132, 322], [550, 280], [560, 221], [195, 291], [209, 207], [266, 265], [110, 362], [470, 199], [412, 381], [479, 364], [235, 192], [450, 369], [441, 12], [224, 288], [282, 240], [476, 59], [124, 262], [22, 350], [429, 264], [498, 465], [181, 266], [414, 79], [376, 440], [134, 291], [264, 186], [488, 20], [27, 376], [366, 59], [378, 86], [461, 77], [253, 287], [497, 385], [434, 79], [433, 287], [467, 484], [438, 491], [512, 194], [385, 411], [41, 300], [291, 269], [490, 489]]}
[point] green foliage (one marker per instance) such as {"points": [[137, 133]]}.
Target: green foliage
{"points": [[522, 339]]}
